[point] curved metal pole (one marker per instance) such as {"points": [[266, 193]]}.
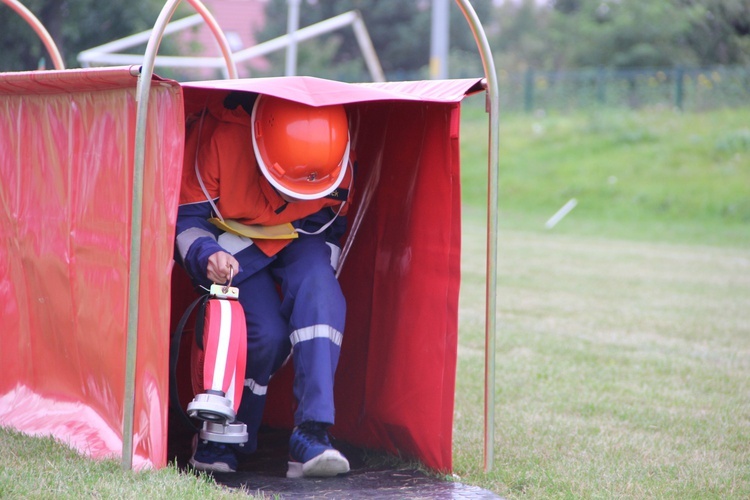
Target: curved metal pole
{"points": [[493, 108], [142, 96], [226, 51], [39, 29]]}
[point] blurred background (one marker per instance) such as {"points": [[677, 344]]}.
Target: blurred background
{"points": [[550, 54]]}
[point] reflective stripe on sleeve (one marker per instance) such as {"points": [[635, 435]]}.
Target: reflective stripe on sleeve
{"points": [[186, 238], [316, 332], [233, 243]]}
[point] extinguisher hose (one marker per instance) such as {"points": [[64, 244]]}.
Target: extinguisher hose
{"points": [[174, 354]]}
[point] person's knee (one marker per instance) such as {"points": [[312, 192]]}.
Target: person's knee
{"points": [[267, 348], [319, 286]]}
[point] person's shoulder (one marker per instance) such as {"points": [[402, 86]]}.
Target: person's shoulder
{"points": [[230, 121], [231, 127]]}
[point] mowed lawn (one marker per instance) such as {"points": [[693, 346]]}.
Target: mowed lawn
{"points": [[623, 342], [623, 369]]}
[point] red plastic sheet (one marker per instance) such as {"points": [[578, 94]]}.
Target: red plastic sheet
{"points": [[396, 378], [401, 278], [66, 154], [66, 161]]}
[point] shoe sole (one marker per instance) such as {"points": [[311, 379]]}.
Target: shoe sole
{"points": [[214, 467], [328, 464]]}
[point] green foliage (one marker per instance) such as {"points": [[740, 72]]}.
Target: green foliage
{"points": [[520, 36], [560, 34], [400, 33], [529, 34], [620, 34], [719, 30], [74, 25]]}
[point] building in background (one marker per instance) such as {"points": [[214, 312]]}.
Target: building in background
{"points": [[240, 20]]}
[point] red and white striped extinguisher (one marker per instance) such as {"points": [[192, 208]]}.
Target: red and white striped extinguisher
{"points": [[218, 359]]}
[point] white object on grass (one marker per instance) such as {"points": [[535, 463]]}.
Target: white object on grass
{"points": [[570, 205]]}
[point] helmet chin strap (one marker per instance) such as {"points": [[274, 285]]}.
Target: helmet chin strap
{"points": [[197, 171], [302, 231]]}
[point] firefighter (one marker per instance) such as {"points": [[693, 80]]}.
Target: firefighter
{"points": [[265, 190]]}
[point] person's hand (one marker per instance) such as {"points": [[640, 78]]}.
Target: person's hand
{"points": [[218, 267]]}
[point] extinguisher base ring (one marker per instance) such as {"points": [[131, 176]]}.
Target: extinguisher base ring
{"points": [[234, 433], [211, 407]]}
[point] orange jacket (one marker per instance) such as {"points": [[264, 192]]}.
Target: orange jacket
{"points": [[227, 166]]}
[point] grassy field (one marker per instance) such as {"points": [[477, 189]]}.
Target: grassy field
{"points": [[654, 175], [44, 468], [623, 369], [623, 349]]}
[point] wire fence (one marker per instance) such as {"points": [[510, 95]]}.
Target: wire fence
{"points": [[688, 89]]}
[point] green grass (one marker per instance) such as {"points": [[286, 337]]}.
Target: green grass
{"points": [[45, 468], [654, 175], [623, 347], [623, 369]]}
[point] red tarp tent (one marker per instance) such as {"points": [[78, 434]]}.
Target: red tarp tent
{"points": [[66, 155]]}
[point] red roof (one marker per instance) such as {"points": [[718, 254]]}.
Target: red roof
{"points": [[239, 20]]}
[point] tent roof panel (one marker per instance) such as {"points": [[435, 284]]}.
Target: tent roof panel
{"points": [[69, 80], [321, 92]]}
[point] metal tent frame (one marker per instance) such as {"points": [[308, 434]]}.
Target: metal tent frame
{"points": [[161, 27], [108, 53], [492, 106]]}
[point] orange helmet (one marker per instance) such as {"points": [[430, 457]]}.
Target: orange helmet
{"points": [[302, 150]]}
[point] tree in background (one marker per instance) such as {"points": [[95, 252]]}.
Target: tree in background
{"points": [[464, 59], [519, 35], [556, 34], [569, 34], [400, 33], [619, 34], [719, 30], [74, 25]]}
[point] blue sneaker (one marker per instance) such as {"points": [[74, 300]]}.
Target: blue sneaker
{"points": [[212, 457], [312, 455]]}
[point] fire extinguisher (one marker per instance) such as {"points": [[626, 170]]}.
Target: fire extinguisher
{"points": [[217, 364]]}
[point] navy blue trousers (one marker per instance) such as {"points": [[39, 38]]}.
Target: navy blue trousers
{"points": [[293, 304]]}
